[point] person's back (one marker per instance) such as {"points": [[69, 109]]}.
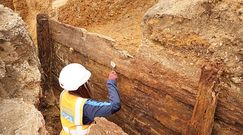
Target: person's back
{"points": [[71, 114], [77, 111]]}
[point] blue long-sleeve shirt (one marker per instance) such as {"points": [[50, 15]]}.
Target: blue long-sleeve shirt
{"points": [[94, 108]]}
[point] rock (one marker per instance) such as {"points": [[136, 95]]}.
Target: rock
{"points": [[19, 68], [2, 69], [237, 80], [105, 127], [19, 118]]}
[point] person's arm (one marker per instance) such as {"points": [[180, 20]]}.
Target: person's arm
{"points": [[94, 108]]}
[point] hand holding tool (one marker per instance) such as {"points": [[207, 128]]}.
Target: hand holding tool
{"points": [[113, 65]]}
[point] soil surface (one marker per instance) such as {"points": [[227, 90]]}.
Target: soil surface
{"points": [[117, 19]]}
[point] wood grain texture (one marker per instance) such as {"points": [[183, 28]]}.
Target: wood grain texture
{"points": [[202, 119], [45, 49]]}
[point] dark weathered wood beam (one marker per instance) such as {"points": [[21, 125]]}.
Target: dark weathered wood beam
{"points": [[45, 49]]}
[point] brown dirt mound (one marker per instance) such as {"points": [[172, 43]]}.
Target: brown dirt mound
{"points": [[117, 19]]}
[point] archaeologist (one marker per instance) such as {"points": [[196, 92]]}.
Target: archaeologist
{"points": [[77, 110]]}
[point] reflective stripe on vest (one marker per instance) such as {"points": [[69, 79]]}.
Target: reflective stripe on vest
{"points": [[78, 131], [77, 111], [72, 113]]}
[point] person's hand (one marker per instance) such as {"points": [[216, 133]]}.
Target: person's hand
{"points": [[112, 75]]}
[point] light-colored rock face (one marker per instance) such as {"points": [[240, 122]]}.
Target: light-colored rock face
{"points": [[19, 73], [19, 118], [184, 34], [19, 78]]}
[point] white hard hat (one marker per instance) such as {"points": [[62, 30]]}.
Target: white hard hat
{"points": [[73, 76]]}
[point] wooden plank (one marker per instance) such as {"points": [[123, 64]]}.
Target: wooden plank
{"points": [[91, 45], [134, 93], [202, 119], [101, 50], [44, 50]]}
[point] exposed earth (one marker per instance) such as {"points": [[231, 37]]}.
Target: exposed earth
{"points": [[165, 44]]}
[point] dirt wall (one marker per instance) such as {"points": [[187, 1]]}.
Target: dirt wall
{"points": [[119, 20], [184, 35], [28, 9], [7, 3]]}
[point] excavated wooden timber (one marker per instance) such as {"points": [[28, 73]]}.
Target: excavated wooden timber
{"points": [[155, 98], [202, 119]]}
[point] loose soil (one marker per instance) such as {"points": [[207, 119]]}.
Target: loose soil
{"points": [[117, 19], [49, 108]]}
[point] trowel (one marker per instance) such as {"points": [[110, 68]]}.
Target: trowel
{"points": [[113, 65]]}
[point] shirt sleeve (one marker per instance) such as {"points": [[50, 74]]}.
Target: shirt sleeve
{"points": [[93, 108]]}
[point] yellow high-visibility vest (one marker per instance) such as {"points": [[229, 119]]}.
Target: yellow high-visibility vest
{"points": [[71, 113]]}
